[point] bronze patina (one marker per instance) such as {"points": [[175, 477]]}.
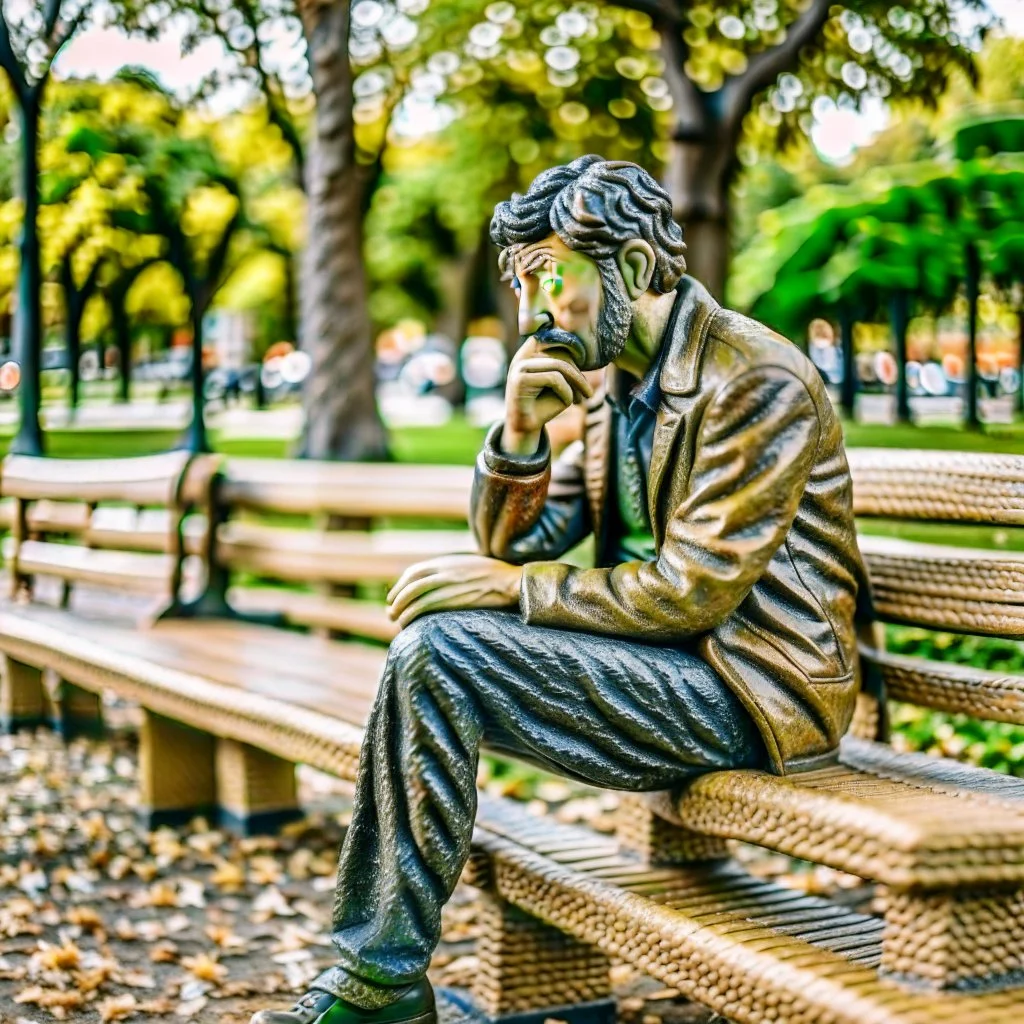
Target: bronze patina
{"points": [[716, 629]]}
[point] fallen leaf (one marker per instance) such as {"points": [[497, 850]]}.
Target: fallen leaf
{"points": [[117, 1007], [204, 967]]}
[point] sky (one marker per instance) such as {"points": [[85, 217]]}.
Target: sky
{"points": [[99, 52]]}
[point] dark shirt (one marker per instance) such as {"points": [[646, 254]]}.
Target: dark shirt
{"points": [[633, 421]]}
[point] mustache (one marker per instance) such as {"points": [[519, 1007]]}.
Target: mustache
{"points": [[554, 337]]}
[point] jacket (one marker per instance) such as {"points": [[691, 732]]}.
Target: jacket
{"points": [[750, 501]]}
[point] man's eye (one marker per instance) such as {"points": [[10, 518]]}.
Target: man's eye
{"points": [[552, 284]]}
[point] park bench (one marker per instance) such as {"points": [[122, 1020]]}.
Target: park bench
{"points": [[229, 705]]}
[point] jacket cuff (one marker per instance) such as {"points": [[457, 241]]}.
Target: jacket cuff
{"points": [[538, 592], [503, 464]]}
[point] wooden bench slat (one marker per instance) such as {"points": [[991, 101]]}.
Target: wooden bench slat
{"points": [[965, 590], [938, 486], [135, 571], [288, 731], [900, 831], [145, 480], [345, 615], [348, 489], [338, 557], [957, 689]]}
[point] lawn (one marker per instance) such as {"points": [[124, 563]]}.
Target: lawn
{"points": [[458, 442]]}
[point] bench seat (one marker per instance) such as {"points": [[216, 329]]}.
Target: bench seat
{"points": [[250, 683], [750, 949]]}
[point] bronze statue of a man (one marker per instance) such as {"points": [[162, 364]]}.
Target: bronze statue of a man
{"points": [[716, 631]]}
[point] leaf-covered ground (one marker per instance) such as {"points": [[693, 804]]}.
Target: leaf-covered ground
{"points": [[102, 921]]}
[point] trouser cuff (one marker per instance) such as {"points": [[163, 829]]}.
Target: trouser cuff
{"points": [[366, 995]]}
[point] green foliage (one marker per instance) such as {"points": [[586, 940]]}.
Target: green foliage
{"points": [[897, 228], [995, 745]]}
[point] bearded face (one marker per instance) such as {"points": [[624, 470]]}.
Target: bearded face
{"points": [[570, 303]]}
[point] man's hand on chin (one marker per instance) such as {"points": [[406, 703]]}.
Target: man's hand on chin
{"points": [[454, 582]]}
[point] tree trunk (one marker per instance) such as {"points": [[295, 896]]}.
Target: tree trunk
{"points": [[973, 271], [848, 390], [698, 180], [29, 439], [123, 340], [1020, 361], [196, 439], [899, 331], [341, 415], [73, 345]]}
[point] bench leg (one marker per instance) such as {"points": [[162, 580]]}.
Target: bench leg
{"points": [[176, 771], [530, 972], [79, 712], [660, 841], [256, 791], [961, 939], [22, 697]]}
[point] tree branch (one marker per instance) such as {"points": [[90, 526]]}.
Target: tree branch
{"points": [[664, 13], [9, 62], [68, 29], [764, 68], [213, 278], [51, 12]]}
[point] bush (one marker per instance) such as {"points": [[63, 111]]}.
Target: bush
{"points": [[994, 745]]}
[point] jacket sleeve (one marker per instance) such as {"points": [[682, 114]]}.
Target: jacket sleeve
{"points": [[523, 508], [754, 453]]}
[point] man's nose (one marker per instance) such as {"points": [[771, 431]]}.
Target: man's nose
{"points": [[534, 313]]}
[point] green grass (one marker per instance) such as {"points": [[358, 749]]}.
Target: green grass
{"points": [[1008, 438], [455, 442]]}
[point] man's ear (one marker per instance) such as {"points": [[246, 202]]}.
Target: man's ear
{"points": [[636, 264]]}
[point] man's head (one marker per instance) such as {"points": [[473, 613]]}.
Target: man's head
{"points": [[582, 245]]}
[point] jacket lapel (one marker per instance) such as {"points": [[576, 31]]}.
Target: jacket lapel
{"points": [[597, 459], [680, 380]]}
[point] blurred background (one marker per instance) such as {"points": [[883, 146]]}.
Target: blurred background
{"points": [[217, 206]]}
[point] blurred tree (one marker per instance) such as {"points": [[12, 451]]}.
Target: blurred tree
{"points": [[782, 61], [914, 234], [28, 46], [187, 198], [551, 82], [289, 50]]}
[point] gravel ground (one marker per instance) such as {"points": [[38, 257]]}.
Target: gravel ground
{"points": [[102, 921]]}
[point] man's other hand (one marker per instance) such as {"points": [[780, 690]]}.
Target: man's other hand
{"points": [[539, 387], [454, 582]]}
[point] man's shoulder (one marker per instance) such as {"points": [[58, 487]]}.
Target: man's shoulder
{"points": [[739, 344]]}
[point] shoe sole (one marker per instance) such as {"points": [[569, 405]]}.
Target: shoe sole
{"points": [[430, 1017]]}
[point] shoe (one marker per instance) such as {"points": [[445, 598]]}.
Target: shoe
{"points": [[414, 1006]]}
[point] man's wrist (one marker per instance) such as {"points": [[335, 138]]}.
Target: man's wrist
{"points": [[515, 442], [498, 460]]}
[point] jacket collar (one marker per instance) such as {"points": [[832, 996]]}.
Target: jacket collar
{"points": [[685, 335]]}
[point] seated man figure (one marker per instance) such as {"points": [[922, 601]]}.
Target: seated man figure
{"points": [[716, 631]]}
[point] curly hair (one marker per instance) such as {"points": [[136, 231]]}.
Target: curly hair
{"points": [[594, 206]]}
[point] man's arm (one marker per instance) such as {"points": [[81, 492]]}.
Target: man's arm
{"points": [[755, 451], [524, 509]]}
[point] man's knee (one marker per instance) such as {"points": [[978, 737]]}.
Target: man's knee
{"points": [[421, 638]]}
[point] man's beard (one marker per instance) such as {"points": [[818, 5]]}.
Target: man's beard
{"points": [[613, 323]]}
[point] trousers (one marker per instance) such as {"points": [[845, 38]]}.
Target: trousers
{"points": [[613, 713]]}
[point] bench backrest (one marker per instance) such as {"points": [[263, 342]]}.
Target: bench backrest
{"points": [[314, 526], [953, 576], [113, 523]]}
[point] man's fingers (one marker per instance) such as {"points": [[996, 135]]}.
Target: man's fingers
{"points": [[414, 588], [570, 371], [451, 596], [550, 380], [414, 572]]}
